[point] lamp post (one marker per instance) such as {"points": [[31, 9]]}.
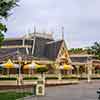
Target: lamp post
{"points": [[19, 74], [19, 60]]}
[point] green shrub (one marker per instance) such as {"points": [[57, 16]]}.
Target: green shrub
{"points": [[7, 78], [41, 69], [96, 78], [30, 78], [69, 77], [51, 78], [85, 78], [82, 78]]}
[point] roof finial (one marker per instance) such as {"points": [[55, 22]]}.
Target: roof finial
{"points": [[34, 29], [62, 32]]}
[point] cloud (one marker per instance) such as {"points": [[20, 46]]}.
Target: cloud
{"points": [[80, 18]]}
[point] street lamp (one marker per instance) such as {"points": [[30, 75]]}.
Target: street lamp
{"points": [[19, 74], [19, 60]]}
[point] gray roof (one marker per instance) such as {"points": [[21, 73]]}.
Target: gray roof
{"points": [[14, 56], [81, 58], [44, 48], [40, 46], [52, 49]]}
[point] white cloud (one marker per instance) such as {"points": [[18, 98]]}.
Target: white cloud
{"points": [[81, 19]]}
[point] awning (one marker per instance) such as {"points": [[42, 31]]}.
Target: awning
{"points": [[66, 67], [32, 66], [29, 66], [9, 64]]}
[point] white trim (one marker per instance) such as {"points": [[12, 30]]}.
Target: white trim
{"points": [[17, 46]]}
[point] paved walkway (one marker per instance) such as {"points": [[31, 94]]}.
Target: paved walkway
{"points": [[82, 91], [29, 82]]}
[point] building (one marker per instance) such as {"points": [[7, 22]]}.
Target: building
{"points": [[38, 47], [82, 62]]}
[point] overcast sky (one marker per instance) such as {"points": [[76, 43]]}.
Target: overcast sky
{"points": [[80, 18]]}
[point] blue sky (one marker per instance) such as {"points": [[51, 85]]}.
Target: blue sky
{"points": [[80, 18]]}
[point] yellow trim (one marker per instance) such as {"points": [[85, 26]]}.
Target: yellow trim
{"points": [[67, 67], [32, 65], [66, 54], [8, 64]]}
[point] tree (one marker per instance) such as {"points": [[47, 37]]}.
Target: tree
{"points": [[95, 49], [5, 8], [77, 51]]}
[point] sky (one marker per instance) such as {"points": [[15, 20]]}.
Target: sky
{"points": [[80, 19]]}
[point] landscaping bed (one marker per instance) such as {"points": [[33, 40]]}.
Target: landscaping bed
{"points": [[69, 77], [64, 77], [8, 78], [52, 78]]}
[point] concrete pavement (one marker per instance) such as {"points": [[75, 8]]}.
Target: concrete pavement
{"points": [[82, 91]]}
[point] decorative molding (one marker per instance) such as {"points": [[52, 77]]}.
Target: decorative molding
{"points": [[17, 46]]}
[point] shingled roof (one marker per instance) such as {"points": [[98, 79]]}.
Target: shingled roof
{"points": [[44, 48], [40, 46], [81, 58], [52, 49], [13, 53]]}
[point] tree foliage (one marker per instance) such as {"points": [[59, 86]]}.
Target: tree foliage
{"points": [[5, 8], [77, 51], [41, 69], [95, 49]]}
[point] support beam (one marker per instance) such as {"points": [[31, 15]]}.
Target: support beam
{"points": [[77, 67], [89, 65], [85, 69]]}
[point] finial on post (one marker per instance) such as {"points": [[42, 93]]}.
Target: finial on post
{"points": [[62, 32], [34, 29]]}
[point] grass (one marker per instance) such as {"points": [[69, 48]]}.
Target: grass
{"points": [[13, 95]]}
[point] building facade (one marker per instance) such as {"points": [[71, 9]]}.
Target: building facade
{"points": [[83, 63], [38, 47]]}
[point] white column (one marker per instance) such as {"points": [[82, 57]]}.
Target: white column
{"points": [[77, 66], [85, 70], [59, 75], [89, 65], [8, 71]]}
